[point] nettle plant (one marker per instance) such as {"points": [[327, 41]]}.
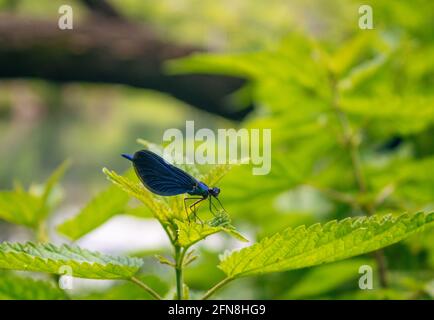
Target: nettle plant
{"points": [[292, 248], [352, 128]]}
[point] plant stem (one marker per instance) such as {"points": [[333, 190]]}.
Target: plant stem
{"points": [[382, 269], [179, 283], [179, 260], [41, 232], [211, 291], [146, 288], [165, 228], [353, 148]]}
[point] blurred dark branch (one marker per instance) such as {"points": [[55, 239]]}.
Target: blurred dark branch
{"points": [[108, 51], [102, 8]]}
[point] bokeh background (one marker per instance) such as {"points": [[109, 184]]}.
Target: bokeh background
{"points": [[259, 72]]}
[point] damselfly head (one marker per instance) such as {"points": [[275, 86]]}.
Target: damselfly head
{"points": [[214, 191]]}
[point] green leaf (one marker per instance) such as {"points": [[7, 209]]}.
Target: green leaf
{"points": [[285, 65], [304, 247], [323, 279], [52, 259], [408, 180], [189, 258], [19, 207], [139, 211], [354, 51], [234, 233], [190, 233], [223, 221], [164, 260], [27, 208], [391, 113], [185, 292], [53, 180], [350, 52], [16, 287], [361, 73], [48, 200], [101, 208], [156, 204]]}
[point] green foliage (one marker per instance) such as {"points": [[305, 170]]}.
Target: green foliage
{"points": [[29, 208], [336, 99], [392, 114], [408, 179], [52, 259], [304, 247], [293, 248], [189, 234], [321, 100], [323, 279], [102, 207], [16, 287], [51, 182], [19, 207]]}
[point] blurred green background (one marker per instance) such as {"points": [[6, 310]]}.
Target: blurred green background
{"points": [[294, 54]]}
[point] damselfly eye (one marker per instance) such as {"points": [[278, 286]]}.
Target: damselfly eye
{"points": [[215, 191]]}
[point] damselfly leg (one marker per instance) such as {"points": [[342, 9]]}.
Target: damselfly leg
{"points": [[193, 207], [212, 205]]}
